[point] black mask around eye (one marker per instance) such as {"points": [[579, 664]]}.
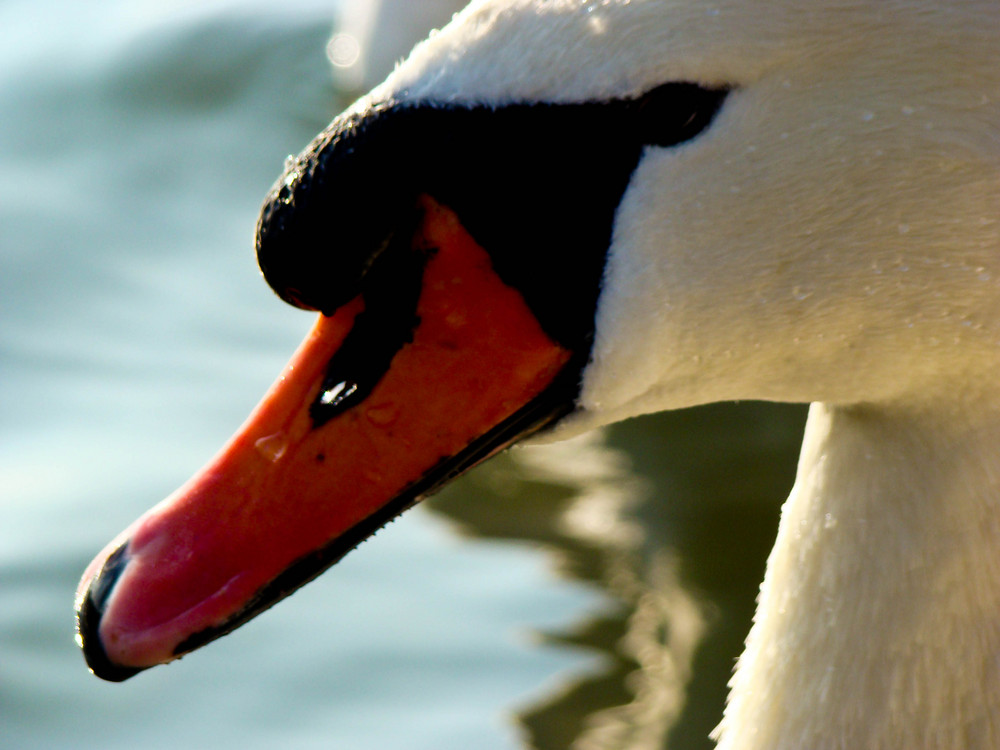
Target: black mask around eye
{"points": [[537, 185]]}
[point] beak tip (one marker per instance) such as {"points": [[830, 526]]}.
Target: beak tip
{"points": [[91, 603], [88, 623]]}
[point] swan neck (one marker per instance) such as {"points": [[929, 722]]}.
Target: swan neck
{"points": [[877, 624]]}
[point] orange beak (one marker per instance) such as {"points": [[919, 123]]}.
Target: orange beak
{"points": [[320, 465]]}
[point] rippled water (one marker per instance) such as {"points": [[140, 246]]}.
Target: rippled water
{"points": [[595, 593]]}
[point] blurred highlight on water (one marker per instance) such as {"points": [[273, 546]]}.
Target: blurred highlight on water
{"points": [[591, 594]]}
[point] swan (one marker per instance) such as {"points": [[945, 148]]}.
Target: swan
{"points": [[557, 214]]}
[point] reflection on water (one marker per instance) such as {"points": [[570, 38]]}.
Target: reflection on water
{"points": [[672, 516]]}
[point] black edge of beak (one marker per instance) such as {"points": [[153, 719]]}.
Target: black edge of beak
{"points": [[88, 619]]}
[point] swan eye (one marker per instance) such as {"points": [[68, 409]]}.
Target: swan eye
{"points": [[676, 112]]}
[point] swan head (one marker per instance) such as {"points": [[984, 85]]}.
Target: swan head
{"points": [[674, 203]]}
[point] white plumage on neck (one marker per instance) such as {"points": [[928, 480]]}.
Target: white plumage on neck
{"points": [[877, 623]]}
